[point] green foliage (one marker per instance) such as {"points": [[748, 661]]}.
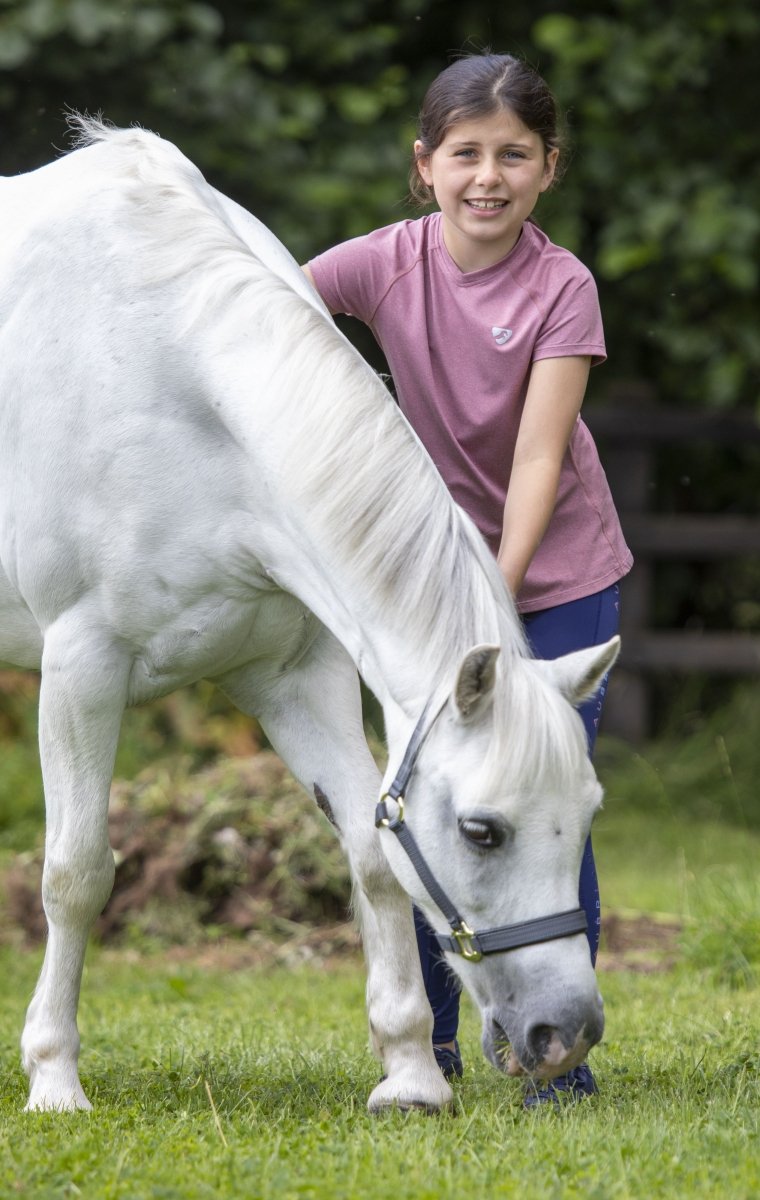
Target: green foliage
{"points": [[668, 863], [306, 115], [21, 798], [665, 182], [279, 105]]}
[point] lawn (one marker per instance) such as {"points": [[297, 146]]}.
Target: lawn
{"points": [[212, 1078], [252, 1083]]}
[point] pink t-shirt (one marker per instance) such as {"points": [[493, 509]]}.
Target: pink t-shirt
{"points": [[460, 348]]}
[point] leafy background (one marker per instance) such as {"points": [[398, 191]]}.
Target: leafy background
{"points": [[305, 114]]}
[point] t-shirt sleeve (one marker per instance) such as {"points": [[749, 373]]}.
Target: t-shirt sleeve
{"points": [[352, 277], [573, 324]]}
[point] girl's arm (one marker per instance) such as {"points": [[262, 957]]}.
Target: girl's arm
{"points": [[307, 272], [555, 394]]}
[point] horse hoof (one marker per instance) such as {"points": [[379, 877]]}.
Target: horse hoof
{"points": [[386, 1097], [405, 1106], [57, 1099]]}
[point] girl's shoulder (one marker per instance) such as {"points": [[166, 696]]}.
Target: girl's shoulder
{"points": [[403, 242], [357, 275], [541, 254]]}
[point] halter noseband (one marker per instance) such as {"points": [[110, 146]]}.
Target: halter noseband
{"points": [[463, 940]]}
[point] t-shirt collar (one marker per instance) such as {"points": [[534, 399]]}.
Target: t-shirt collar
{"points": [[483, 274]]}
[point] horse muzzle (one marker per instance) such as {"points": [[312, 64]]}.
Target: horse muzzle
{"points": [[542, 1045]]}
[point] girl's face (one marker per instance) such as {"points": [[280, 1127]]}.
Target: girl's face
{"points": [[487, 175]]}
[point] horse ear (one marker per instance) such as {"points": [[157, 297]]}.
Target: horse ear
{"points": [[475, 681], [579, 675]]}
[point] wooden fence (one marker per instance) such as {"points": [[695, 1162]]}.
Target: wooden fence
{"points": [[630, 432]]}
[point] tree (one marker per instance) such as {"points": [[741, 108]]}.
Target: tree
{"points": [[305, 115]]}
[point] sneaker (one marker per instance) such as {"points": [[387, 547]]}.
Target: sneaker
{"points": [[450, 1061], [576, 1085]]}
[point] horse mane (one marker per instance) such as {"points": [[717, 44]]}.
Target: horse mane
{"points": [[362, 487], [543, 731]]}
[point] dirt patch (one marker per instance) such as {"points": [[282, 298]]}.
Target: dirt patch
{"points": [[638, 942], [233, 849]]}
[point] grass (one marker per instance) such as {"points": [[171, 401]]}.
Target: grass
{"points": [[665, 864], [211, 1083], [660, 858], [253, 1084]]}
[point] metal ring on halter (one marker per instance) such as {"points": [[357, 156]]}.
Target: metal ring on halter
{"points": [[384, 821]]}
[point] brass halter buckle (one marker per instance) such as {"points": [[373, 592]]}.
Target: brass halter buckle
{"points": [[386, 821], [463, 937]]}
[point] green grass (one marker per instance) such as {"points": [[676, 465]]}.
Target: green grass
{"points": [[666, 862], [254, 1083]]}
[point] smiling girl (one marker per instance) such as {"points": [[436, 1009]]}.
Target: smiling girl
{"points": [[490, 331]]}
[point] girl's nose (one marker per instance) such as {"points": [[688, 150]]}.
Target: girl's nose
{"points": [[488, 173]]}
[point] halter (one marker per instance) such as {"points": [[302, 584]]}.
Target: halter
{"points": [[463, 940]]}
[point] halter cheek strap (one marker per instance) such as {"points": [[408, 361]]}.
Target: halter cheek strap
{"points": [[463, 940]]}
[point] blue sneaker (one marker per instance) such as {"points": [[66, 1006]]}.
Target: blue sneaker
{"points": [[576, 1085], [450, 1061]]}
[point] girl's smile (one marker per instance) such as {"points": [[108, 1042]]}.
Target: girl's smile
{"points": [[487, 175]]}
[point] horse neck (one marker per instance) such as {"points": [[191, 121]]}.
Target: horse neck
{"points": [[362, 527], [407, 636], [379, 550]]}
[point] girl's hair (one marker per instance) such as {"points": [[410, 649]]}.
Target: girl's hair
{"points": [[477, 86]]}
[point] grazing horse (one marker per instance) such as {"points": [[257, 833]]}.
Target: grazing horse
{"points": [[200, 478]]}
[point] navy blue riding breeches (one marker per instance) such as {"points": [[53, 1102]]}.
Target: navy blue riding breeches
{"points": [[551, 633]]}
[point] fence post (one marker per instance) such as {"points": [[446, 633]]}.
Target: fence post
{"points": [[631, 429], [629, 465]]}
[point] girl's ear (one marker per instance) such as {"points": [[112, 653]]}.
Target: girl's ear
{"points": [[550, 166], [423, 164]]}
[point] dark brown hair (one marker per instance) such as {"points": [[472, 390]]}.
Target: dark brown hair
{"points": [[477, 86]]}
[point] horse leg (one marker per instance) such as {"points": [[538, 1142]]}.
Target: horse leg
{"points": [[81, 703], [312, 716]]}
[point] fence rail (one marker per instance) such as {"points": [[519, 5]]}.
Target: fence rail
{"points": [[630, 432]]}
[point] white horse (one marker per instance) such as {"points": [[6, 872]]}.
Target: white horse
{"points": [[200, 478]]}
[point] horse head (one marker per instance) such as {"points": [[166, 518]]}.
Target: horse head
{"points": [[495, 806]]}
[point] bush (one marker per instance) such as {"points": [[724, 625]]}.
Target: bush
{"points": [[232, 848]]}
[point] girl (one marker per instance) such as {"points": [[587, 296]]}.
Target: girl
{"points": [[490, 331]]}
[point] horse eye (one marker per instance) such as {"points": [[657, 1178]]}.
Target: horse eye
{"points": [[483, 834]]}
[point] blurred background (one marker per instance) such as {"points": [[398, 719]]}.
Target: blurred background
{"points": [[305, 114]]}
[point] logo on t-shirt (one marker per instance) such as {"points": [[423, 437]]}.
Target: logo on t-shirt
{"points": [[500, 335]]}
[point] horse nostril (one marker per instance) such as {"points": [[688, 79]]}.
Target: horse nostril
{"points": [[538, 1039]]}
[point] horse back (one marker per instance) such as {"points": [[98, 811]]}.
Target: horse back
{"points": [[122, 488]]}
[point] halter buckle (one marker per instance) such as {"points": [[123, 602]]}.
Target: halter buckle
{"points": [[463, 936], [382, 820]]}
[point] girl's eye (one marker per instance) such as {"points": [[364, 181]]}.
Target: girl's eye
{"points": [[486, 835]]}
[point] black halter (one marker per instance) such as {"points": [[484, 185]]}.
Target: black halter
{"points": [[463, 940]]}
